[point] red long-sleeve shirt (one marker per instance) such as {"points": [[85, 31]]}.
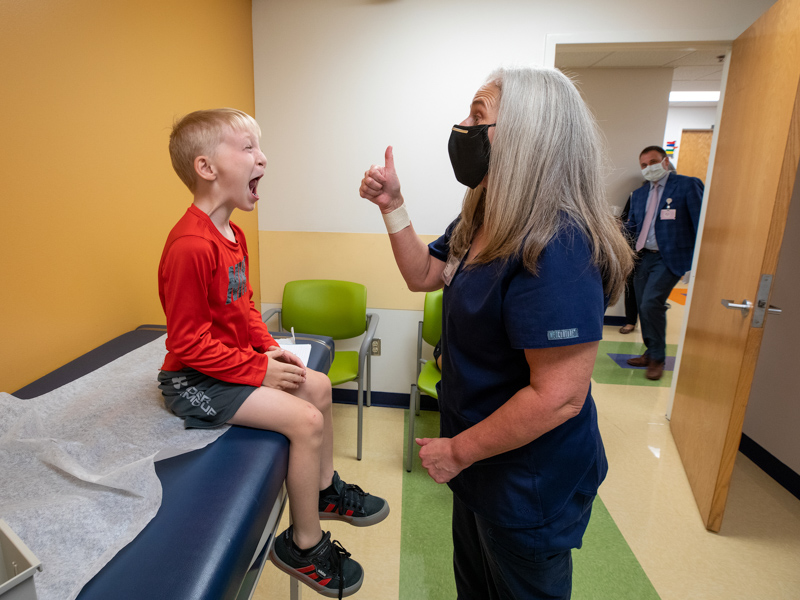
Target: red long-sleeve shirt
{"points": [[212, 323]]}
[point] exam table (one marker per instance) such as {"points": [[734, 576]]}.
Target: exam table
{"points": [[220, 507]]}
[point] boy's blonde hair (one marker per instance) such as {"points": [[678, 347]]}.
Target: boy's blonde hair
{"points": [[199, 133]]}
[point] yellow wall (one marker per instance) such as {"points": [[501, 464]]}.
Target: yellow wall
{"points": [[89, 91], [365, 258]]}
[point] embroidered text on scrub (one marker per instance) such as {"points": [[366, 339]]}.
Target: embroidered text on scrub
{"points": [[562, 334]]}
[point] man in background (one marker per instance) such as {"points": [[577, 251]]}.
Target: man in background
{"points": [[663, 219]]}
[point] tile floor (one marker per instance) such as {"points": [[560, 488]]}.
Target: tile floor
{"points": [[756, 556]]}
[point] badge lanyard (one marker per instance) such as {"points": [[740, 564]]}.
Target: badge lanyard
{"points": [[453, 262], [668, 214]]}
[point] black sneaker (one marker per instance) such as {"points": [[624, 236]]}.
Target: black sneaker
{"points": [[351, 504], [327, 569]]}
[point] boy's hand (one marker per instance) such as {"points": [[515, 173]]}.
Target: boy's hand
{"points": [[289, 358], [381, 185], [282, 371]]}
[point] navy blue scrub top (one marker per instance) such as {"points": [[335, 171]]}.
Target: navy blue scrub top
{"points": [[491, 314]]}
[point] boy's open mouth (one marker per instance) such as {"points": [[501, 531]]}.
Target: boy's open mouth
{"points": [[254, 187]]}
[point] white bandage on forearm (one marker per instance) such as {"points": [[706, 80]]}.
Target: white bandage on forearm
{"points": [[397, 220]]}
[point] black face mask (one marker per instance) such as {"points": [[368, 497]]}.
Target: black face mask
{"points": [[469, 150]]}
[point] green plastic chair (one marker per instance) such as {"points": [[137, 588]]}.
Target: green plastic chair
{"points": [[337, 309], [428, 374]]}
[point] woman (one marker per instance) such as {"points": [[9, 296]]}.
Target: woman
{"points": [[528, 268]]}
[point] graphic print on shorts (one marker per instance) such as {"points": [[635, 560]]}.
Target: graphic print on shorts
{"points": [[198, 398]]}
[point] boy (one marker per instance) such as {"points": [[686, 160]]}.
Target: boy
{"points": [[223, 366]]}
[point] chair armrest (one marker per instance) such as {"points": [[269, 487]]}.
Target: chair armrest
{"points": [[271, 312], [372, 326], [420, 360]]}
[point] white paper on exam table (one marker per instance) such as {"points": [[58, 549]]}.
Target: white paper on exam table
{"points": [[302, 351], [76, 466]]}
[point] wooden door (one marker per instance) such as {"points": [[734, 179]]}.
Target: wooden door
{"points": [[755, 167], [695, 150]]}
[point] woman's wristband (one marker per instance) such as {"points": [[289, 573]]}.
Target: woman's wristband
{"points": [[397, 220]]}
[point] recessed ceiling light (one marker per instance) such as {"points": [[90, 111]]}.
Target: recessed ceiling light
{"points": [[694, 96]]}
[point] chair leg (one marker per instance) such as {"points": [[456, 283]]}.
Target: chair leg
{"points": [[360, 415], [410, 441], [369, 380], [417, 401]]}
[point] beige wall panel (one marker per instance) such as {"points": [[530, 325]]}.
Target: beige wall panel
{"points": [[361, 257]]}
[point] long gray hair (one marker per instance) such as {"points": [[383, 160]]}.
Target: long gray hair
{"points": [[544, 173]]}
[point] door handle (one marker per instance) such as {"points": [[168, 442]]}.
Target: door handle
{"points": [[744, 306], [773, 310]]}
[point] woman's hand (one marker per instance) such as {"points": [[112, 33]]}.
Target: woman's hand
{"points": [[438, 459], [381, 185], [285, 371], [421, 271]]}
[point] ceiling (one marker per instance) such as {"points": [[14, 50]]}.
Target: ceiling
{"points": [[695, 66]]}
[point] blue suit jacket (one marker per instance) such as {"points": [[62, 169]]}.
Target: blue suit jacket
{"points": [[676, 237]]}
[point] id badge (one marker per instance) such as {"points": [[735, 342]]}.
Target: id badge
{"points": [[450, 269], [668, 214]]}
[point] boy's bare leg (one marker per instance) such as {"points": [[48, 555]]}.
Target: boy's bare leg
{"points": [[304, 425], [317, 391]]}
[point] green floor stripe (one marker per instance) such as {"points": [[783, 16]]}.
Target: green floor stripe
{"points": [[426, 545], [604, 569], [607, 371]]}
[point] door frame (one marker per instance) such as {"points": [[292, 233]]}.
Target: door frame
{"points": [[641, 41]]}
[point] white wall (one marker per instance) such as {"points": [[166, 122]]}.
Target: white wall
{"points": [[630, 106], [679, 118], [336, 81]]}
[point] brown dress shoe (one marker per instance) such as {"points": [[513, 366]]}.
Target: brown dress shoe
{"points": [[655, 370], [628, 328], [639, 361]]}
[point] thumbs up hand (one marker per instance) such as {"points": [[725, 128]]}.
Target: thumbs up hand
{"points": [[381, 185]]}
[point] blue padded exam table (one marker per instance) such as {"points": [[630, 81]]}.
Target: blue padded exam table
{"points": [[220, 506]]}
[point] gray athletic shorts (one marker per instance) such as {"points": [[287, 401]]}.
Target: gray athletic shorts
{"points": [[201, 401]]}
